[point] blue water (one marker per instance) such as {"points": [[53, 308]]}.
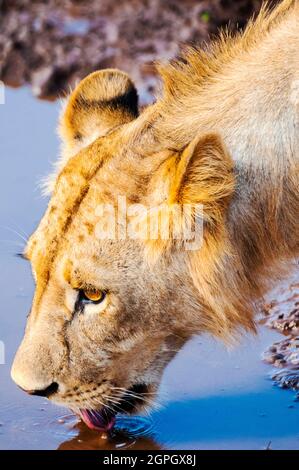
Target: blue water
{"points": [[211, 398]]}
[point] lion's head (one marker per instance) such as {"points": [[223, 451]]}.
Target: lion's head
{"points": [[110, 312]]}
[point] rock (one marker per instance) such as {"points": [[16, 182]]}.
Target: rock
{"points": [[281, 312], [284, 353], [287, 378]]}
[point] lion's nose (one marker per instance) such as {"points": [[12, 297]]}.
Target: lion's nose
{"points": [[32, 379], [46, 392]]}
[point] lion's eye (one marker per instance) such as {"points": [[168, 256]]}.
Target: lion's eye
{"points": [[91, 296]]}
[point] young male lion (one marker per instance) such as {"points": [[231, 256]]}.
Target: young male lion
{"points": [[109, 312]]}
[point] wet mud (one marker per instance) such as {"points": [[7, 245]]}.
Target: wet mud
{"points": [[281, 313]]}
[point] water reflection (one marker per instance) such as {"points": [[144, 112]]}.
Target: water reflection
{"points": [[121, 438]]}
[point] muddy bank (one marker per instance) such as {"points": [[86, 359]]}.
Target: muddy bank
{"points": [[51, 45], [281, 313]]}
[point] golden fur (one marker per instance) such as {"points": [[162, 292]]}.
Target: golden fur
{"points": [[224, 134]]}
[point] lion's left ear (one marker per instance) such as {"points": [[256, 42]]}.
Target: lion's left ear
{"points": [[204, 175], [102, 101], [199, 185]]}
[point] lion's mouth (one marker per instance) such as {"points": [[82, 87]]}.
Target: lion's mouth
{"points": [[104, 419], [100, 420]]}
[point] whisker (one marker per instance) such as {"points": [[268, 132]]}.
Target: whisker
{"points": [[128, 391], [116, 408], [114, 405], [140, 397], [109, 407], [102, 403], [112, 399], [21, 230], [15, 232], [117, 400]]}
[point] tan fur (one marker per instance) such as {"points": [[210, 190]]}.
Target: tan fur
{"points": [[224, 134]]}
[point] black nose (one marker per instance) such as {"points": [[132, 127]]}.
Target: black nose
{"points": [[46, 392]]}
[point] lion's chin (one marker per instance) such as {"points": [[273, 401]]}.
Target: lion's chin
{"points": [[101, 420]]}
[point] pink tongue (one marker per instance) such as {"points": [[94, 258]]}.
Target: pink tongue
{"points": [[99, 420]]}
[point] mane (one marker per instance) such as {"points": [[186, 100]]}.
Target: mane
{"points": [[198, 66]]}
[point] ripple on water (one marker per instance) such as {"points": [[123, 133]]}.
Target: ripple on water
{"points": [[136, 426]]}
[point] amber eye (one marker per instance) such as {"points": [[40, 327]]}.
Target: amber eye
{"points": [[91, 296]]}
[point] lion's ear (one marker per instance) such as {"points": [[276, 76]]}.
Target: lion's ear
{"points": [[200, 183], [204, 175], [103, 100]]}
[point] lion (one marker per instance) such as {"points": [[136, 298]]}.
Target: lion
{"points": [[109, 314]]}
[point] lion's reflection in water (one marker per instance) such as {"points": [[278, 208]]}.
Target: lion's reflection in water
{"points": [[130, 433]]}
